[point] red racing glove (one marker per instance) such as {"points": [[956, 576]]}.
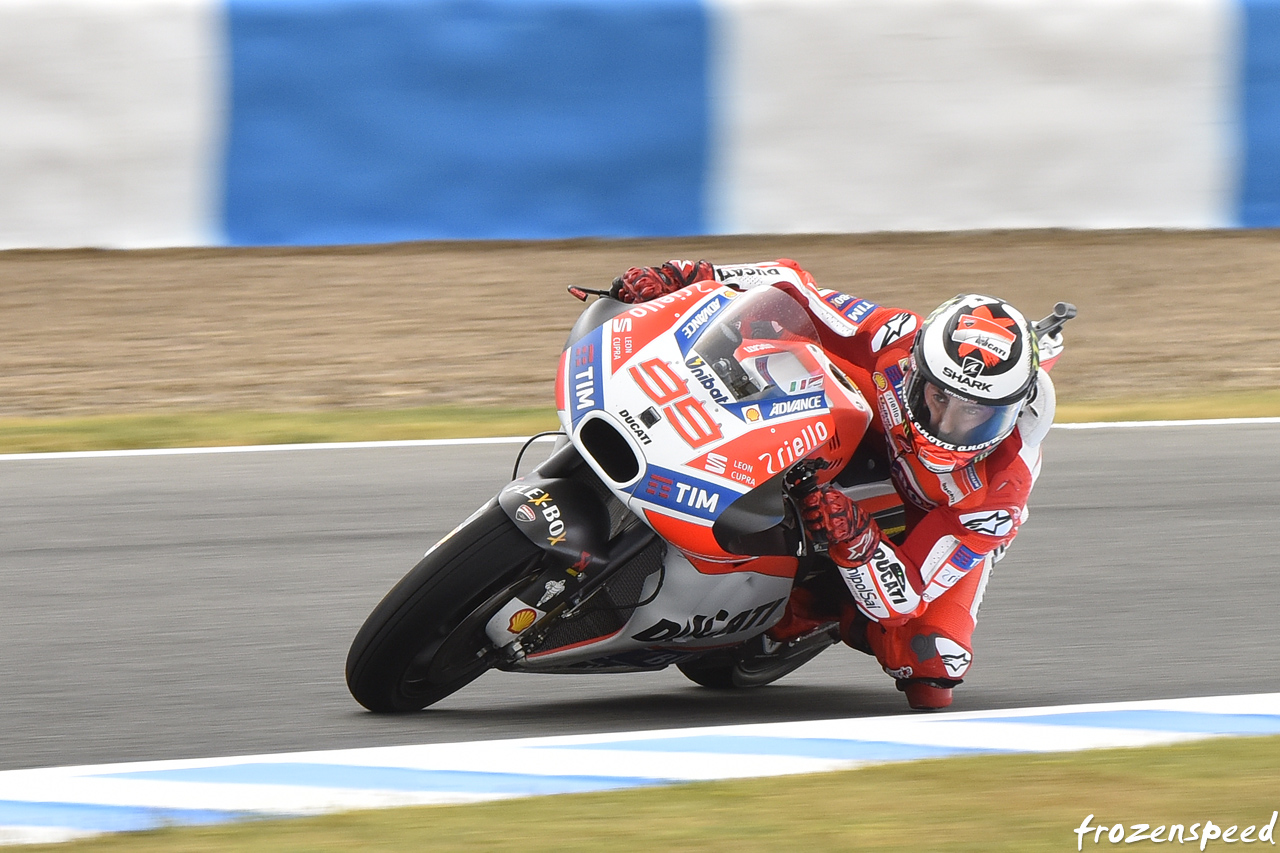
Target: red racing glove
{"points": [[641, 284], [851, 536]]}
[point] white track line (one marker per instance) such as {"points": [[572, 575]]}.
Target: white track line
{"points": [[514, 439], [58, 803]]}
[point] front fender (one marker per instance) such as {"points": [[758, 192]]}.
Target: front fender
{"points": [[558, 515]]}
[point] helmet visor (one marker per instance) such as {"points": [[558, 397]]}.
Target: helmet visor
{"points": [[954, 422]]}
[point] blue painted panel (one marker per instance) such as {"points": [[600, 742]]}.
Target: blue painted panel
{"points": [[97, 818], [1260, 181], [383, 120], [389, 778], [1156, 721], [586, 376], [832, 748]]}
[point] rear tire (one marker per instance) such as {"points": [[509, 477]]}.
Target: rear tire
{"points": [[426, 639], [750, 665], [712, 671]]}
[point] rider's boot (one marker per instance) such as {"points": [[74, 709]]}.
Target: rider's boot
{"points": [[922, 695], [804, 613]]}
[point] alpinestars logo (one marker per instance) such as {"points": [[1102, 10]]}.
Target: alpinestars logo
{"points": [[994, 523], [895, 328], [954, 657]]}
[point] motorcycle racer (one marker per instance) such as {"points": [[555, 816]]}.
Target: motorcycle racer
{"points": [[962, 401]]}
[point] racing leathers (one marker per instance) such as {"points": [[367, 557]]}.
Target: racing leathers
{"points": [[917, 589]]}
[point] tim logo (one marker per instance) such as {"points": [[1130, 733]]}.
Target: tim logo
{"points": [[685, 494], [583, 375], [659, 487]]}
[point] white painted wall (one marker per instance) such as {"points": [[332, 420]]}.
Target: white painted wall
{"points": [[111, 114], [876, 115], [832, 116]]}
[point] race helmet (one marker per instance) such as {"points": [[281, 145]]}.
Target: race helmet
{"points": [[974, 363]]}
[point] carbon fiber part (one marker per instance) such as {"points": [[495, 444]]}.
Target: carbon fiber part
{"points": [[610, 607]]}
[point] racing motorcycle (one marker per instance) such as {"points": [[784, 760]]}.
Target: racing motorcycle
{"points": [[664, 528]]}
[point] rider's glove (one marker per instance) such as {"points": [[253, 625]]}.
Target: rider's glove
{"points": [[849, 533], [640, 284]]}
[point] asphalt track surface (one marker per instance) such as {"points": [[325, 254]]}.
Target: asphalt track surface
{"points": [[198, 605]]}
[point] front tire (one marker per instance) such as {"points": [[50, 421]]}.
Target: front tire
{"points": [[426, 639]]}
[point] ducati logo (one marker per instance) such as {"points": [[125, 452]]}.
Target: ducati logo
{"points": [[986, 335]]}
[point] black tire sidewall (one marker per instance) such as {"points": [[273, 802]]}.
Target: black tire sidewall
{"points": [[448, 583]]}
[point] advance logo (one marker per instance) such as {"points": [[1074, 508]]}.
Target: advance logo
{"points": [[797, 405], [695, 322]]}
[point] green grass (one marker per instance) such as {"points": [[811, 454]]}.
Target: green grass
{"points": [[986, 803], [222, 429], [211, 429], [1242, 404]]}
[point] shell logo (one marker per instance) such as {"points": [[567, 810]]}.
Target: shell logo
{"points": [[522, 619], [752, 413]]}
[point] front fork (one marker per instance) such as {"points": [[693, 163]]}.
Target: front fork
{"points": [[558, 590]]}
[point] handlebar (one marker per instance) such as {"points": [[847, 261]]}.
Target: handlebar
{"points": [[1053, 323]]}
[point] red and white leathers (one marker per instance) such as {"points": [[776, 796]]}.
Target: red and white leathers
{"points": [[921, 590]]}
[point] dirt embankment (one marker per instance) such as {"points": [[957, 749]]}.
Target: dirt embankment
{"points": [[1162, 314]]}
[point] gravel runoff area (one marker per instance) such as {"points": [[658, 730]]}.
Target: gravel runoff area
{"points": [[1162, 314]]}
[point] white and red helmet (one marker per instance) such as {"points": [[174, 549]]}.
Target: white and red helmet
{"points": [[978, 351]]}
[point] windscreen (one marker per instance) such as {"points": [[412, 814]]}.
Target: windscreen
{"points": [[757, 346]]}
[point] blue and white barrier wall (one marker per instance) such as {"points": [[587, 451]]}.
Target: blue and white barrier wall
{"points": [[248, 122]]}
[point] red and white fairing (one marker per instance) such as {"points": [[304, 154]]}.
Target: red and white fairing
{"points": [[714, 392]]}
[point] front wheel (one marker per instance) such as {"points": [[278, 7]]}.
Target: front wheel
{"points": [[426, 639]]}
